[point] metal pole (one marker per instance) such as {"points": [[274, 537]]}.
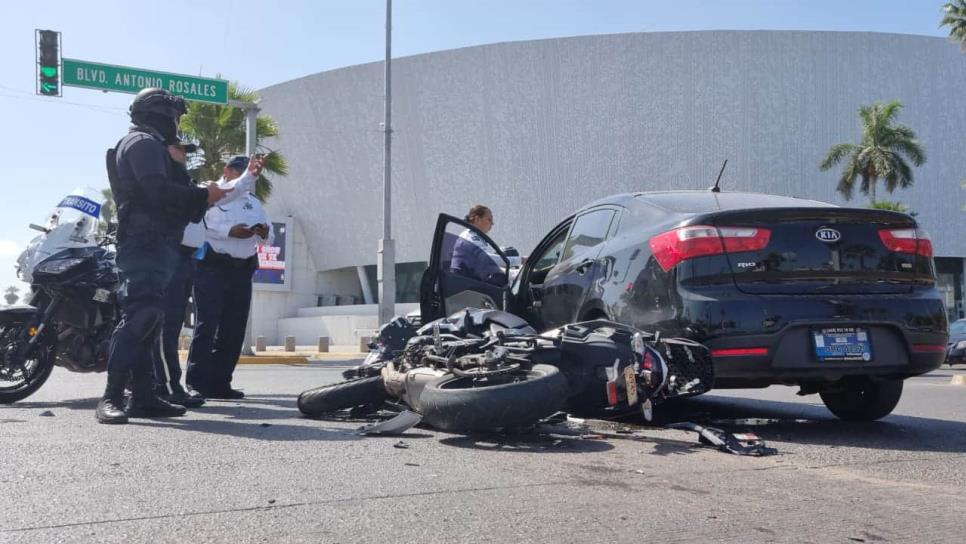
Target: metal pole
{"points": [[386, 267], [251, 116]]}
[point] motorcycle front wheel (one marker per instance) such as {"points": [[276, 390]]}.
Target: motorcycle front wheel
{"points": [[339, 396], [20, 379], [461, 404]]}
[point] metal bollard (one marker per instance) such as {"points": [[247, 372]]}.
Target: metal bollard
{"points": [[364, 343], [289, 343], [260, 343], [323, 344]]}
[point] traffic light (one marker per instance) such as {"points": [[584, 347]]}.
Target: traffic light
{"points": [[48, 62]]}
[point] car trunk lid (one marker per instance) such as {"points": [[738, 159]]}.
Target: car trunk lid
{"points": [[829, 251]]}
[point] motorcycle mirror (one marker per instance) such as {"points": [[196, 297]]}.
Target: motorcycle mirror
{"points": [[41, 229]]}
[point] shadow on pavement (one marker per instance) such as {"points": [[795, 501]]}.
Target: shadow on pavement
{"points": [[532, 443], [70, 404], [253, 430], [814, 425]]}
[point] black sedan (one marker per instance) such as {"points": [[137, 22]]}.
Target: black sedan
{"points": [[837, 301], [956, 352]]}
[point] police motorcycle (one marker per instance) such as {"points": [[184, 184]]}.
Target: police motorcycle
{"points": [[70, 315], [479, 370]]}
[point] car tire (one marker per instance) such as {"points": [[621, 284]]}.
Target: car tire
{"points": [[456, 404], [862, 399], [339, 396]]}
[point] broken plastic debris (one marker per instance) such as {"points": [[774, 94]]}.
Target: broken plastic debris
{"points": [[738, 444], [401, 445], [399, 424]]}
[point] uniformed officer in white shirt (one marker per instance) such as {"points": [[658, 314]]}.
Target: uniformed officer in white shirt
{"points": [[223, 289], [167, 364]]}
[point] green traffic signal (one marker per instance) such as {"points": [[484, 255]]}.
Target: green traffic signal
{"points": [[48, 62]]}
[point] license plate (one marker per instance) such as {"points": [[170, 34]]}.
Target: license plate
{"points": [[630, 378], [102, 295], [843, 344]]}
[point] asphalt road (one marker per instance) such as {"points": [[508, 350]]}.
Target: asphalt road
{"points": [[254, 471]]}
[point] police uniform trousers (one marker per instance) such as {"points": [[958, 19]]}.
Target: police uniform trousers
{"points": [[146, 264], [167, 363], [222, 294]]}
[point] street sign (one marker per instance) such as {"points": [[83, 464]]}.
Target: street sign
{"points": [[108, 77]]}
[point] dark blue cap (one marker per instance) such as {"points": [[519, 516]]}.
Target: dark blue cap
{"points": [[238, 162]]}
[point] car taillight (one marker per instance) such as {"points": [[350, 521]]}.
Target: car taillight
{"points": [[915, 241], [674, 246]]}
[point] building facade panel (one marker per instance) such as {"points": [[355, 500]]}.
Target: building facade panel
{"points": [[536, 129]]}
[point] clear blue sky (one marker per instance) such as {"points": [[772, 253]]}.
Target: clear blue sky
{"points": [[53, 145]]}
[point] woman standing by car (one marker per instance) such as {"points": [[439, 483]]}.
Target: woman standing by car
{"points": [[474, 257]]}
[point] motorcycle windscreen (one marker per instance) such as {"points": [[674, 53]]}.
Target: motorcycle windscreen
{"points": [[74, 222]]}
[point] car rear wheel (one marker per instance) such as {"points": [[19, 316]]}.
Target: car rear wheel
{"points": [[862, 399]]}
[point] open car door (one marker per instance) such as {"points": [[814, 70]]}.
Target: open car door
{"points": [[466, 270]]}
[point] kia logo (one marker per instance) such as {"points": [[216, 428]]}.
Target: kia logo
{"points": [[828, 235]]}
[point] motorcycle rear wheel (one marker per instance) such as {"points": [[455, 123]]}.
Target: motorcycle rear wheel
{"points": [[339, 396], [459, 404], [16, 382]]}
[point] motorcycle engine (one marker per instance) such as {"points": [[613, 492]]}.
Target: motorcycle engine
{"points": [[77, 351]]}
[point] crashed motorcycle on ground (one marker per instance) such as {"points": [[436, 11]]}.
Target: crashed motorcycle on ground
{"points": [[70, 312], [480, 370]]}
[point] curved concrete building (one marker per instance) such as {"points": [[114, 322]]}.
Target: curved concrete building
{"points": [[536, 129]]}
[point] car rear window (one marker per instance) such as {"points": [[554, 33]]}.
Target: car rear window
{"points": [[706, 201]]}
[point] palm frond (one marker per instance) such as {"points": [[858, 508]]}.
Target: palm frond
{"points": [[220, 133], [836, 154]]}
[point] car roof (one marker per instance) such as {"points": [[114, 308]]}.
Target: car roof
{"points": [[705, 201]]}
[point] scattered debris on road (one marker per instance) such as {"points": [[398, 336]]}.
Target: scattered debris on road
{"points": [[397, 425], [736, 443]]}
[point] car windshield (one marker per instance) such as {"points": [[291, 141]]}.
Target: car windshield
{"points": [[958, 327]]}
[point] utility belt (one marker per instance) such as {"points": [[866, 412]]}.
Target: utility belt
{"points": [[213, 258]]}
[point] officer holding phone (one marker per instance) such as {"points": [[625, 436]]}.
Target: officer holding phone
{"points": [[167, 365], [223, 288]]}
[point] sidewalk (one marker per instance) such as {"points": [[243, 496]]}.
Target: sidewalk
{"points": [[276, 355]]}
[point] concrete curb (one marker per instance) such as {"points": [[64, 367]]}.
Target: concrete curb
{"points": [[272, 360], [959, 379]]}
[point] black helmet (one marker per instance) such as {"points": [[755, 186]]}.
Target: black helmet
{"points": [[159, 101]]}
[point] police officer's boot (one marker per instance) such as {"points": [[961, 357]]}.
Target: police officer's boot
{"points": [[145, 403], [109, 409]]}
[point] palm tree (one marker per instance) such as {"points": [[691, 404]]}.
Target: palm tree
{"points": [[889, 205], [220, 133], [11, 294], [880, 155], [955, 18]]}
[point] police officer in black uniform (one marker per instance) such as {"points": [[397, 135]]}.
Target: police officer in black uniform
{"points": [[154, 203]]}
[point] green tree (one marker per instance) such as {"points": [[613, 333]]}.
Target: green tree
{"points": [[889, 205], [220, 133], [892, 206], [954, 17], [881, 154], [11, 294]]}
